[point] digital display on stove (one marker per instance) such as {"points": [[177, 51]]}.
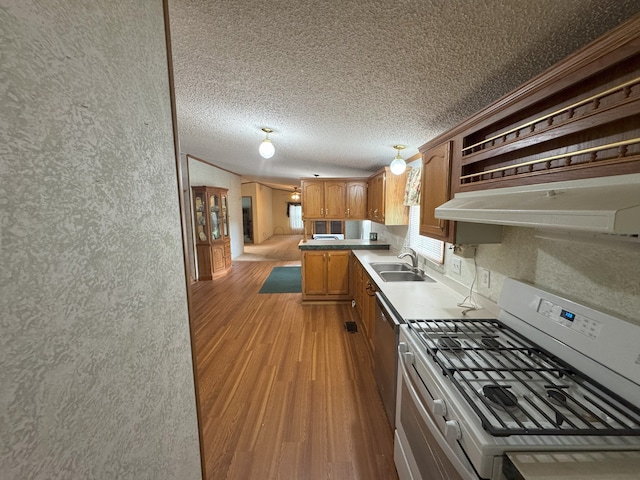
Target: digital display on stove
{"points": [[568, 315]]}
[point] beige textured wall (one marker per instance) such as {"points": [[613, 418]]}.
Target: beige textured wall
{"points": [[95, 355], [249, 190], [262, 206], [264, 211], [280, 198], [603, 276]]}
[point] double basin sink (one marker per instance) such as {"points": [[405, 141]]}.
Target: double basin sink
{"points": [[398, 272]]}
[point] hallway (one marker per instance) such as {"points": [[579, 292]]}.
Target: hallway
{"points": [[277, 248], [285, 392]]}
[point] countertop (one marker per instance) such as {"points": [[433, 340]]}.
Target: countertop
{"points": [[423, 300], [348, 244]]}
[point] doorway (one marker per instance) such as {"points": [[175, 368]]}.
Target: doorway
{"points": [[247, 219]]}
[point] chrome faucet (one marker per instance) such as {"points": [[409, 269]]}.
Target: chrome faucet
{"points": [[414, 257]]}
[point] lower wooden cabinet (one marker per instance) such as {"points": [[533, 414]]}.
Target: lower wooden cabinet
{"points": [[363, 293], [369, 307], [325, 275]]}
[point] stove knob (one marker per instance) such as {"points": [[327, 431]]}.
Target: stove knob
{"points": [[452, 430], [402, 347], [409, 359], [439, 407]]}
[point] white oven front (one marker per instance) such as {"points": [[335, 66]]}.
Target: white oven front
{"points": [[426, 443]]}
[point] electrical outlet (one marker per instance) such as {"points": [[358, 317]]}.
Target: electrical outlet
{"points": [[456, 263], [485, 277]]}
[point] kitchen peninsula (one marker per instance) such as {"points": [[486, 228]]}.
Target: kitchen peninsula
{"points": [[325, 267]]}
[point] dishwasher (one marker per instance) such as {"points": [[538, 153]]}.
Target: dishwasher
{"points": [[385, 357]]}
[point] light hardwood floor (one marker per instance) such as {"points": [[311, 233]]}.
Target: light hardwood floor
{"points": [[285, 391]]}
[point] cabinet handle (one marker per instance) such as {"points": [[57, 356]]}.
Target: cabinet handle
{"points": [[322, 211], [348, 212]]}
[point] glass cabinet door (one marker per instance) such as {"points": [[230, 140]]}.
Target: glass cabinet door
{"points": [[225, 217], [214, 203], [201, 217]]}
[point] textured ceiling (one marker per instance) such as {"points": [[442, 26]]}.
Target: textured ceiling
{"points": [[340, 82]]}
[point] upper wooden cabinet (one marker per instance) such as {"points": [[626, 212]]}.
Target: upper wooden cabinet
{"points": [[356, 200], [435, 190], [211, 222], [578, 119], [333, 199], [385, 202], [312, 199]]}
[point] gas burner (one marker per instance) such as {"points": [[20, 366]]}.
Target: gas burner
{"points": [[490, 342], [500, 396], [557, 397], [449, 343]]}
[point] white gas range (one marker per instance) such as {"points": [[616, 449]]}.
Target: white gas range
{"points": [[547, 375]]}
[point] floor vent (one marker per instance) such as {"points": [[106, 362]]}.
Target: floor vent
{"points": [[351, 327]]}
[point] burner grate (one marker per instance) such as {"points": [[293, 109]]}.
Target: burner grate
{"points": [[516, 387]]}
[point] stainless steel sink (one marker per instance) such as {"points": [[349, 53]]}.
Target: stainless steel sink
{"points": [[404, 277], [390, 267]]}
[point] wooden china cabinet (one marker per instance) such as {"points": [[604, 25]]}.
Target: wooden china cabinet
{"points": [[211, 223]]}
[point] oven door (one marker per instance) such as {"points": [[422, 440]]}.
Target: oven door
{"points": [[421, 451]]}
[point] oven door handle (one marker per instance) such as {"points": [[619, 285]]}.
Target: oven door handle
{"points": [[462, 469]]}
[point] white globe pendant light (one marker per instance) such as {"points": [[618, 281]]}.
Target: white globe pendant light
{"points": [[398, 165], [266, 148]]}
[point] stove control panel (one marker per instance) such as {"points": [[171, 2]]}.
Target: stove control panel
{"points": [[579, 323]]}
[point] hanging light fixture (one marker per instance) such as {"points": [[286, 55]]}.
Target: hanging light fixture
{"points": [[266, 147], [296, 194], [398, 165]]}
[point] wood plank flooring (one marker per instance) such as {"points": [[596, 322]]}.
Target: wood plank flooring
{"points": [[285, 391]]}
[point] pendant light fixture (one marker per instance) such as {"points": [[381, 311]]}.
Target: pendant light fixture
{"points": [[266, 147], [295, 196], [398, 165]]}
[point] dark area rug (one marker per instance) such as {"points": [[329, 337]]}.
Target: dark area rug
{"points": [[283, 280]]}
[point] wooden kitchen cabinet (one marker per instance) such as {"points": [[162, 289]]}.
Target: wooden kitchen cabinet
{"points": [[356, 200], [369, 307], [437, 187], [385, 198], [211, 223], [435, 190], [323, 199], [325, 275], [363, 292], [312, 198], [355, 276], [578, 119], [335, 198]]}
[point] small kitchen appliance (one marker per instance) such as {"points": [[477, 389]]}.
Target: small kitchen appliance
{"points": [[548, 375]]}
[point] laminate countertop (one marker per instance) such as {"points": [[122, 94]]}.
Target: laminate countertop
{"points": [[348, 244], [423, 300]]}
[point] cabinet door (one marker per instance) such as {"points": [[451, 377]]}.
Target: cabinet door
{"points": [[314, 272], [200, 217], [376, 208], [435, 190], [217, 256], [338, 272], [368, 307], [224, 214], [356, 200], [312, 199], [215, 215], [335, 192]]}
